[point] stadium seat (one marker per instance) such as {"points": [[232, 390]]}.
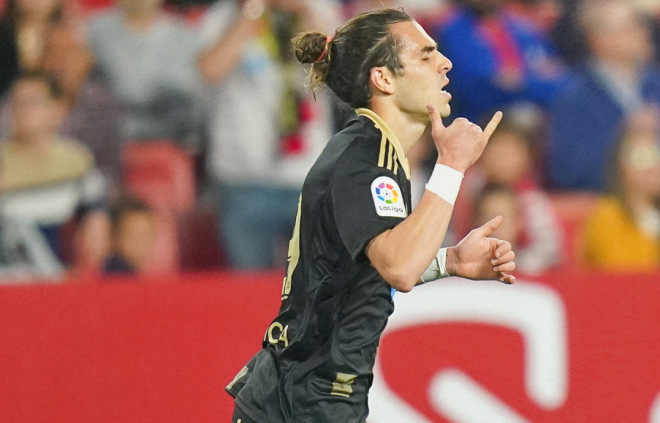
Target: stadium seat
{"points": [[572, 210], [160, 173], [198, 241]]}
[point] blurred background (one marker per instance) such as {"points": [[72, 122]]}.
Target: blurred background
{"points": [[156, 140], [150, 136]]}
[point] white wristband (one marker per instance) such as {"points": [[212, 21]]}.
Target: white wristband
{"points": [[445, 182], [442, 263], [437, 269]]}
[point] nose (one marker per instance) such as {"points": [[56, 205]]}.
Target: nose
{"points": [[445, 64]]}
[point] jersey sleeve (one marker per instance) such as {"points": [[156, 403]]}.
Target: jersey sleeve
{"points": [[367, 200]]}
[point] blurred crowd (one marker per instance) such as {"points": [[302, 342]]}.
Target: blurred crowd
{"points": [[147, 136]]}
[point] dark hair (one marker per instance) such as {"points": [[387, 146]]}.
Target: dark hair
{"points": [[124, 205], [54, 89], [12, 16], [344, 63]]}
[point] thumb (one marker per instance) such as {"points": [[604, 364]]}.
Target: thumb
{"points": [[436, 119], [489, 227]]}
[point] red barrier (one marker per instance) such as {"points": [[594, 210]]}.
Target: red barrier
{"points": [[150, 351], [595, 339], [129, 351]]}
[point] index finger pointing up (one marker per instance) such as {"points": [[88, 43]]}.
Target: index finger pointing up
{"points": [[492, 125], [489, 227]]}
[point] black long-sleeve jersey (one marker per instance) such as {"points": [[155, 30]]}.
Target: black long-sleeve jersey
{"points": [[318, 354]]}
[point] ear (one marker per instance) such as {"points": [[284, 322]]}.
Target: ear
{"points": [[382, 80]]}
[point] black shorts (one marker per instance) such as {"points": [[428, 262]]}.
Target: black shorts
{"points": [[240, 416]]}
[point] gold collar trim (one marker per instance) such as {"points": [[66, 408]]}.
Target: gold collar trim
{"points": [[382, 126]]}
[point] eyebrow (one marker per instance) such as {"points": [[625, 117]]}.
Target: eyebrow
{"points": [[429, 49]]}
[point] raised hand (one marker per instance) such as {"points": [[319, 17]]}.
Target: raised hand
{"points": [[479, 257], [461, 143]]}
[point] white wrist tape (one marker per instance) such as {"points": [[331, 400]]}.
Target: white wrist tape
{"points": [[442, 263], [437, 269], [445, 182]]}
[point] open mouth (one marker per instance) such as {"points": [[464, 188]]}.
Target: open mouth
{"points": [[445, 91]]}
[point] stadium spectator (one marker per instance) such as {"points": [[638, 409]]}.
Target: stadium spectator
{"points": [[570, 39], [507, 166], [24, 29], [92, 112], [46, 180], [618, 80], [149, 60], [24, 252], [499, 59], [623, 234], [266, 130], [133, 233]]}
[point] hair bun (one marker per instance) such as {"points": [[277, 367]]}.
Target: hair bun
{"points": [[309, 47]]}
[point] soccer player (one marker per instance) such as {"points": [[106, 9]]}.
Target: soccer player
{"points": [[355, 239]]}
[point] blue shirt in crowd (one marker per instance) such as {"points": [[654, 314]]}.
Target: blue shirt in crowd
{"points": [[586, 121], [478, 52]]}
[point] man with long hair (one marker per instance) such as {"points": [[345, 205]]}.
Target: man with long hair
{"points": [[356, 239]]}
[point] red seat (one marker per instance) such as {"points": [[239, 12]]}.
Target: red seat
{"points": [[161, 174], [572, 210], [198, 241]]}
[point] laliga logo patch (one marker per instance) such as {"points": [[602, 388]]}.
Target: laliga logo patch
{"points": [[387, 193], [387, 198]]}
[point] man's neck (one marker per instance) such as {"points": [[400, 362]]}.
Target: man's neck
{"points": [[406, 127]]}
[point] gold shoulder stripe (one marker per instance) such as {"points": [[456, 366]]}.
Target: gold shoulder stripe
{"points": [[383, 147], [396, 163], [390, 152], [391, 137]]}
